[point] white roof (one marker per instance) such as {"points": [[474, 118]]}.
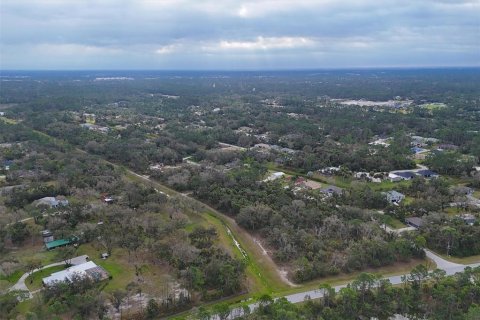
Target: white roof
{"points": [[68, 273]]}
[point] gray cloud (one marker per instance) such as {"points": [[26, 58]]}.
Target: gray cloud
{"points": [[237, 34]]}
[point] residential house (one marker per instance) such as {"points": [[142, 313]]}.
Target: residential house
{"points": [[88, 269], [427, 173], [468, 218], [52, 202], [394, 196], [274, 176], [332, 190]]}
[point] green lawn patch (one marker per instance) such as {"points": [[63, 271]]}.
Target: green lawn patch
{"points": [[34, 281], [394, 222], [13, 277]]}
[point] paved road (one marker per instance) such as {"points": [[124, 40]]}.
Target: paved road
{"points": [[449, 267]]}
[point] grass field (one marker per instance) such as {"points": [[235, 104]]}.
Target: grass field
{"points": [[34, 281]]}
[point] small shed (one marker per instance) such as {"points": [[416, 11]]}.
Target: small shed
{"points": [[60, 243], [415, 222]]}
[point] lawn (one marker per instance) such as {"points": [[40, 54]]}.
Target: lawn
{"points": [[394, 223], [387, 185], [34, 281], [117, 265], [13, 277]]}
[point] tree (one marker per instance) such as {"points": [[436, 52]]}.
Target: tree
{"points": [[18, 232], [153, 309], [117, 297], [31, 265], [222, 310], [66, 254]]}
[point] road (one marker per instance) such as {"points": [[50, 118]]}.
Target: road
{"points": [[449, 267]]}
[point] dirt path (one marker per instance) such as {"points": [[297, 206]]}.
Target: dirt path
{"points": [[281, 272]]}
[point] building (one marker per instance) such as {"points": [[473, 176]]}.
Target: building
{"points": [[468, 218], [47, 236], [394, 196], [400, 175], [52, 202], [275, 176], [427, 173], [60, 243], [88, 269], [414, 222], [332, 190]]}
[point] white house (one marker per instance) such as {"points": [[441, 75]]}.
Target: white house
{"points": [[394, 196], [275, 176], [52, 202], [87, 269]]}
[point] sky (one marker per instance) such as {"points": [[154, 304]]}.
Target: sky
{"points": [[231, 35]]}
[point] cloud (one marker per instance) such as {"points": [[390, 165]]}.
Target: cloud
{"points": [[220, 34], [267, 43]]}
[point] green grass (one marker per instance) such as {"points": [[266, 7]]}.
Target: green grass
{"points": [[34, 281], [386, 185], [14, 276], [264, 278], [476, 194], [394, 223], [9, 121], [121, 271]]}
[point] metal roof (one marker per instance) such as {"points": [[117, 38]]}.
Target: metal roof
{"points": [[67, 274]]}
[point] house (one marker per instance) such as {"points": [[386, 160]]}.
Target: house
{"points": [[463, 190], [47, 236], [88, 269], [7, 164], [414, 222], [108, 199], [52, 202], [468, 218], [401, 175], [416, 150], [447, 147], [329, 170], [332, 190], [274, 176], [427, 173], [394, 196]]}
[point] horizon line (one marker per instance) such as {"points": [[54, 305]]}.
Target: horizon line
{"points": [[255, 69]]}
